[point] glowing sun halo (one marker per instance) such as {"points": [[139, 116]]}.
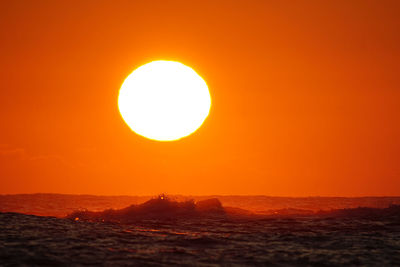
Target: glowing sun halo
{"points": [[164, 100]]}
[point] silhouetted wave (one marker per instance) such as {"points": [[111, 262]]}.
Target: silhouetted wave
{"points": [[60, 205], [157, 208], [164, 208], [364, 212]]}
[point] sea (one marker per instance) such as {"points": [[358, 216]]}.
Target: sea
{"points": [[276, 231]]}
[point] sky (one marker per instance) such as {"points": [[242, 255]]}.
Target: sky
{"points": [[305, 97]]}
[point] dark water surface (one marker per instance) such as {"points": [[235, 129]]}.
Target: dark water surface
{"points": [[318, 241]]}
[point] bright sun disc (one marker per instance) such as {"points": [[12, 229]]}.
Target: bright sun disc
{"points": [[164, 100]]}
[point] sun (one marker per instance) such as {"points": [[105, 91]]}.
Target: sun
{"points": [[164, 100]]}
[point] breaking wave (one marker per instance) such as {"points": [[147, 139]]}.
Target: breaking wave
{"points": [[163, 207]]}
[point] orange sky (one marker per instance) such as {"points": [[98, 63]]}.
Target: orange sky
{"points": [[306, 97]]}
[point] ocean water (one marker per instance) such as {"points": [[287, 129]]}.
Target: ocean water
{"points": [[336, 239], [59, 205]]}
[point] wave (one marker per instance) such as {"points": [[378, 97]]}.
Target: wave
{"points": [[157, 208], [163, 207], [365, 212]]}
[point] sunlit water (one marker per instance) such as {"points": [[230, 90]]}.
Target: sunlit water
{"points": [[319, 241]]}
